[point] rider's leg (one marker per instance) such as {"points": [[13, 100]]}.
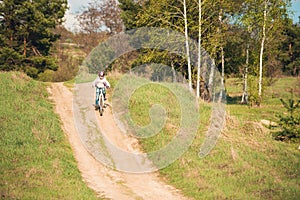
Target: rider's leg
{"points": [[97, 98], [104, 94]]}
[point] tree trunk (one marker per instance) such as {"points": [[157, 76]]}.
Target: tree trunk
{"points": [[199, 50], [222, 73], [211, 79], [25, 47], [222, 57], [173, 72], [11, 40], [245, 88], [187, 47], [261, 54]]}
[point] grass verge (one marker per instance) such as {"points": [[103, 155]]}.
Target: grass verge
{"points": [[36, 159], [246, 163]]}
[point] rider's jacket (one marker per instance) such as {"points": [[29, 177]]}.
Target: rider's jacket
{"points": [[101, 83]]}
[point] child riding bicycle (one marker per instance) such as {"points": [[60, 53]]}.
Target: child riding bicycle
{"points": [[100, 82]]}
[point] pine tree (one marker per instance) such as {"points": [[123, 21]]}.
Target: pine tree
{"points": [[27, 34]]}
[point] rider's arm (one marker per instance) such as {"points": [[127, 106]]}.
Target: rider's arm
{"points": [[95, 82], [107, 84]]}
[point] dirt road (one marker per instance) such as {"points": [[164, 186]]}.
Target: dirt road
{"points": [[104, 180]]}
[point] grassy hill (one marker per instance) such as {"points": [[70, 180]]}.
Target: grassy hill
{"points": [[247, 163], [36, 159]]}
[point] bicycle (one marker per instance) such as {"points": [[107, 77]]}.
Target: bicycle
{"points": [[101, 104]]}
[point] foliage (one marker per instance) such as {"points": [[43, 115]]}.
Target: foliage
{"points": [[35, 65], [42, 63], [100, 57], [253, 91], [46, 76], [129, 12], [26, 32], [101, 16], [291, 129], [290, 49], [230, 25], [69, 56], [32, 72], [290, 124], [9, 59], [97, 21]]}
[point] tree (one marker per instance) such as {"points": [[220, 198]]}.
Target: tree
{"points": [[110, 13], [99, 20], [155, 14], [290, 125], [26, 29], [230, 31], [129, 11], [199, 49], [263, 38], [90, 23], [290, 49], [186, 34], [101, 16], [90, 20], [265, 20]]}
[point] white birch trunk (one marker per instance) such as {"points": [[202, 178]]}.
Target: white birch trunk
{"points": [[173, 72], [262, 52], [222, 58], [187, 47], [222, 73], [245, 89], [211, 79], [199, 50]]}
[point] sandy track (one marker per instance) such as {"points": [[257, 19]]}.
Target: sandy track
{"points": [[106, 182]]}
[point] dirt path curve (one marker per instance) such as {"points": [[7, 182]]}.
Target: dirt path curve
{"points": [[107, 183]]}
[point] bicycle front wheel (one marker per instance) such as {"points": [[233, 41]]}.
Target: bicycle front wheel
{"points": [[101, 105]]}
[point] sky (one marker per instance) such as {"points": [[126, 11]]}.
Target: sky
{"points": [[75, 6], [296, 10]]}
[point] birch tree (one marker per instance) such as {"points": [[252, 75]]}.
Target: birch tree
{"points": [[164, 14], [222, 54], [266, 18], [199, 48], [245, 74], [187, 46], [262, 50]]}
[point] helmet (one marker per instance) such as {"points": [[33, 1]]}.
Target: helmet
{"points": [[101, 74]]}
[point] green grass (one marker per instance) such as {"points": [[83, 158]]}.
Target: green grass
{"points": [[36, 159], [271, 106], [140, 106], [246, 163]]}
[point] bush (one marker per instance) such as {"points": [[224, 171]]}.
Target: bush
{"points": [[290, 129], [253, 91], [290, 124], [9, 59], [31, 71], [46, 76], [43, 63]]}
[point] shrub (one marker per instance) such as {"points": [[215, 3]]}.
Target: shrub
{"points": [[290, 124], [31, 71], [47, 75], [9, 59]]}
